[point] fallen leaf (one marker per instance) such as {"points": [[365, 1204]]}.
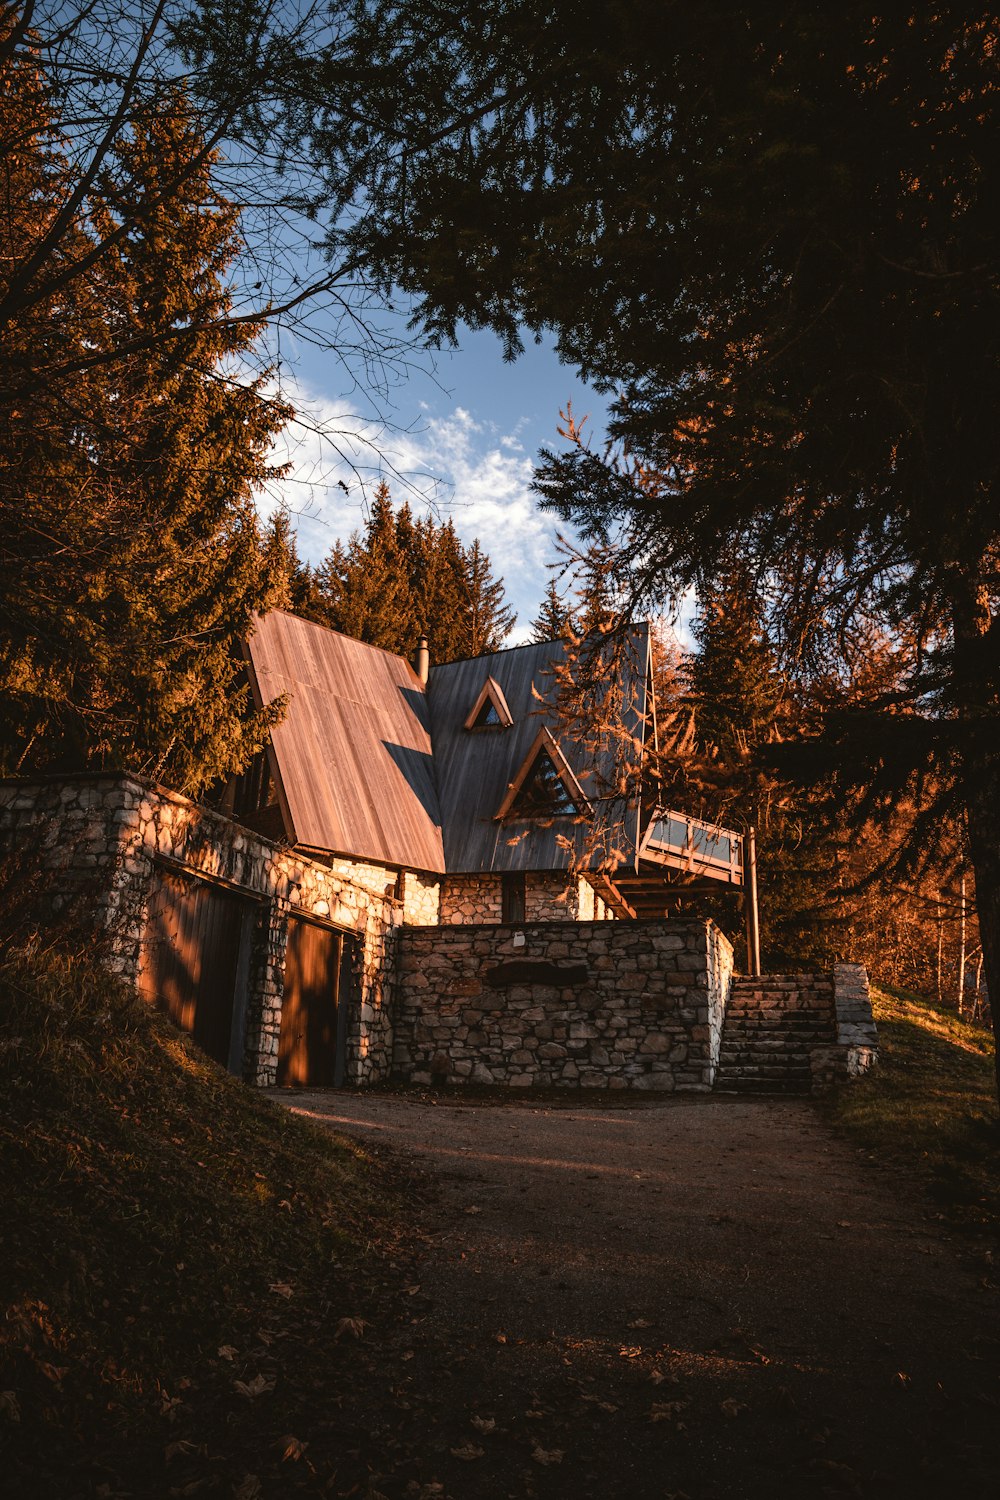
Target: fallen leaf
{"points": [[484, 1424], [173, 1449], [294, 1449], [281, 1289], [253, 1388], [732, 1407], [501, 1338], [468, 1452], [249, 1488], [666, 1411], [534, 1415], [547, 1456], [639, 1323], [629, 1351], [227, 1352], [354, 1326], [473, 1208]]}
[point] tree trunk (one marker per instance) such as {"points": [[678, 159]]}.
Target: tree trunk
{"points": [[977, 691], [961, 952], [983, 808]]}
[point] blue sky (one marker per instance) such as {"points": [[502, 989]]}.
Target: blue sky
{"points": [[464, 434]]}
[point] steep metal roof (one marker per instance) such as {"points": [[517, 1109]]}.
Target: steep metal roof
{"points": [[372, 765], [353, 752], [476, 767]]}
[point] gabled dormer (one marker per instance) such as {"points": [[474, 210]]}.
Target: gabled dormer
{"points": [[545, 786], [490, 709]]}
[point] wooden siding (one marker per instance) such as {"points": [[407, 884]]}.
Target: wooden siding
{"points": [[476, 768], [354, 749]]}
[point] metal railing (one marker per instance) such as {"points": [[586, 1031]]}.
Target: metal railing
{"points": [[691, 844]]}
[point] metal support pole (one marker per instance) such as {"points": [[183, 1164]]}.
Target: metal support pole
{"points": [[752, 914]]}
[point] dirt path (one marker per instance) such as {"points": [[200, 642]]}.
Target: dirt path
{"points": [[708, 1297]]}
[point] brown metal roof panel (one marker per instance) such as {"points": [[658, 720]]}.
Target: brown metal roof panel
{"points": [[354, 750]]}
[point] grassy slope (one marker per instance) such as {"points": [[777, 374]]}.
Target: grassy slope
{"points": [[166, 1234], [930, 1106]]}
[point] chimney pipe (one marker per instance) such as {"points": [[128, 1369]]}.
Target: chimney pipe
{"points": [[423, 664]]}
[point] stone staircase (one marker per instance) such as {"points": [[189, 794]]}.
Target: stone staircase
{"points": [[773, 1027]]}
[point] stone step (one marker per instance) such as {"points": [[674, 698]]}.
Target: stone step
{"points": [[732, 1084], [779, 1023], [793, 1062], [766, 1012], [785, 1056]]}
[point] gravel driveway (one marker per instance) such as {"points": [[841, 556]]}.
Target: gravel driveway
{"points": [[703, 1297]]}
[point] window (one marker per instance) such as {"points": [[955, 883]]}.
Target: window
{"points": [[487, 717], [512, 907], [490, 709], [543, 792], [545, 786]]}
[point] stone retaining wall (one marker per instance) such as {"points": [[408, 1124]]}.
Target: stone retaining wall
{"points": [[100, 837], [590, 1005]]}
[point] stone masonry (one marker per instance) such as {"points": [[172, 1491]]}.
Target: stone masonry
{"points": [[797, 1033], [548, 897], [558, 1002], [590, 1005], [100, 837]]}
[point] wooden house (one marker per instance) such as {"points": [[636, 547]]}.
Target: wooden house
{"points": [[468, 775], [406, 821]]}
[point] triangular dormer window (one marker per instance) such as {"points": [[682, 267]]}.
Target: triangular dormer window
{"points": [[545, 787], [490, 709]]}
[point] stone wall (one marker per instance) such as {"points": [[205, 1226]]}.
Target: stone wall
{"points": [[468, 899], [107, 834], [421, 898], [593, 1005]]}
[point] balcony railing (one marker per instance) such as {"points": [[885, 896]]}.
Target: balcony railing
{"points": [[688, 844]]}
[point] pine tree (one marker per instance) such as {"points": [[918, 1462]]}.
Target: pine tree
{"points": [[137, 560], [489, 618], [733, 675], [403, 577], [554, 619]]}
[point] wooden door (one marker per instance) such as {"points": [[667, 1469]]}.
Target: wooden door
{"points": [[192, 958], [311, 1045]]}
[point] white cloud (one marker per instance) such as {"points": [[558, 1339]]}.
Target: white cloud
{"points": [[454, 466]]}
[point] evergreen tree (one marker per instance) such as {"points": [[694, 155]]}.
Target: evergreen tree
{"points": [[803, 329], [733, 676], [596, 575], [554, 619], [489, 618], [133, 560], [401, 578]]}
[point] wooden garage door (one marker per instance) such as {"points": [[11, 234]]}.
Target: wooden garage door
{"points": [[313, 1008], [192, 960]]}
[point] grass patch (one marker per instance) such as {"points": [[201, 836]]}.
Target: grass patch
{"points": [[178, 1255], [930, 1106]]}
